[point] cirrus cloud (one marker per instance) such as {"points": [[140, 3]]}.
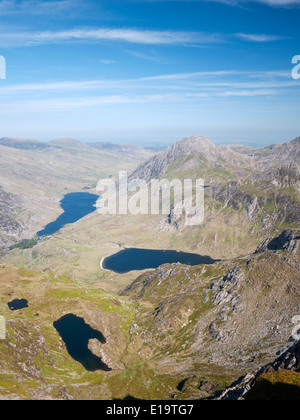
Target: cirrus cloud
{"points": [[259, 37], [127, 35], [272, 3], [137, 36], [38, 7]]}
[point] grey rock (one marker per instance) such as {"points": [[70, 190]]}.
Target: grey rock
{"points": [[288, 360]]}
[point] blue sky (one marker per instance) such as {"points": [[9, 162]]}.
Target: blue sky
{"points": [[150, 71]]}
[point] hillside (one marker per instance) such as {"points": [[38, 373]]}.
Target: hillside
{"points": [[23, 144], [208, 323], [177, 332], [156, 167], [37, 175]]}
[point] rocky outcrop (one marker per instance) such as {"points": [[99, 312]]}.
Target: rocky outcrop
{"points": [[287, 241], [289, 360], [156, 167], [225, 290]]}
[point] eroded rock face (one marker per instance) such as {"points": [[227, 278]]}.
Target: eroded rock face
{"points": [[226, 289], [287, 241], [289, 360]]}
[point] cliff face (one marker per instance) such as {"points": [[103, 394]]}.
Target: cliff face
{"points": [[279, 380]]}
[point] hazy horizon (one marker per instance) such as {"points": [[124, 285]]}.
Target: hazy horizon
{"points": [[158, 144]]}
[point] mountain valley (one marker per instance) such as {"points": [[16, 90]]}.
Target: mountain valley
{"points": [[177, 332]]}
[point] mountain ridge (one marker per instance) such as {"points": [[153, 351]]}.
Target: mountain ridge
{"points": [[156, 166]]}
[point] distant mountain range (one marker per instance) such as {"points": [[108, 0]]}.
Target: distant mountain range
{"points": [[23, 144], [63, 143]]}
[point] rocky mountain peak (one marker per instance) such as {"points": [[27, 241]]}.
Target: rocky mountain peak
{"points": [[194, 144], [156, 166]]}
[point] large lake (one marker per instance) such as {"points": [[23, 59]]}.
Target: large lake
{"points": [[131, 259], [75, 206]]}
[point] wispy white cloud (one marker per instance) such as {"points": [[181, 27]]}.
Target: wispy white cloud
{"points": [[69, 103], [148, 56], [37, 7], [278, 3], [272, 3], [109, 34], [107, 61], [259, 37], [83, 102], [127, 35], [204, 80], [165, 88], [251, 93]]}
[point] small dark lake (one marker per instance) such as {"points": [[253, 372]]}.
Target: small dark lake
{"points": [[17, 304], [131, 259], [76, 335], [75, 206]]}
